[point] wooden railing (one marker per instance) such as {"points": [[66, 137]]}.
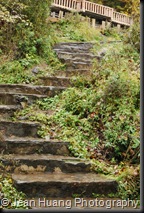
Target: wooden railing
{"points": [[121, 18], [67, 4], [98, 9], [87, 6]]}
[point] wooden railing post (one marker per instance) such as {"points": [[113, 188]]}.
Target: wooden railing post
{"points": [[111, 13], [131, 21], [81, 5], [93, 22]]}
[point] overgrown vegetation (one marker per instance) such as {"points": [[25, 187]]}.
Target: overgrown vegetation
{"points": [[13, 198], [25, 41], [100, 115]]}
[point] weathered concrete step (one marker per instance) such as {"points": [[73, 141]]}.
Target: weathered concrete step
{"points": [[17, 98], [7, 111], [20, 129], [46, 163], [19, 145], [64, 185], [29, 89], [56, 81]]}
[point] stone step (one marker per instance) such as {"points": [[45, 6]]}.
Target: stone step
{"points": [[71, 72], [63, 185], [56, 81], [68, 61], [19, 129], [18, 145], [29, 89], [71, 55], [79, 65], [44, 162], [8, 98], [7, 111], [76, 45], [72, 49]]}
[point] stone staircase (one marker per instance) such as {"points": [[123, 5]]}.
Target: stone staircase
{"points": [[40, 167], [78, 58]]}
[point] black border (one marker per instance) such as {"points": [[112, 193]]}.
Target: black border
{"points": [[141, 135]]}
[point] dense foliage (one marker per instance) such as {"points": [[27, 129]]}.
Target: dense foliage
{"points": [[25, 40], [23, 27]]}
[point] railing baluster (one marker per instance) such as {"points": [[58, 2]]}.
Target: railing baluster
{"points": [[68, 3], [101, 10], [96, 9], [92, 8]]}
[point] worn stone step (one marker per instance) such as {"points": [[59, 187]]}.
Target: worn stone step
{"points": [[29, 89], [19, 129], [71, 55], [64, 185], [7, 111], [18, 98], [72, 49], [79, 65], [74, 45], [71, 72], [8, 98], [46, 163], [56, 81], [18, 145], [75, 60]]}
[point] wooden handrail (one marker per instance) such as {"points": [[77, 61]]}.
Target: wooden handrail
{"points": [[87, 6]]}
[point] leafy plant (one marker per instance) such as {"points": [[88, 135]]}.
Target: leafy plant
{"points": [[11, 194], [15, 73]]}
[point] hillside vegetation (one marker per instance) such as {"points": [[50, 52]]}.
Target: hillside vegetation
{"points": [[100, 116]]}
